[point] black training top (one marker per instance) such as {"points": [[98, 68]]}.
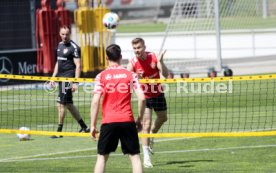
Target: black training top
{"points": [[66, 52]]}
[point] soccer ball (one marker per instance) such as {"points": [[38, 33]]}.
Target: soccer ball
{"points": [[110, 20], [23, 137]]}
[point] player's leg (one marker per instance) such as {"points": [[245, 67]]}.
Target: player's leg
{"points": [[146, 127], [130, 144], [160, 108], [76, 114], [61, 109], [74, 111], [72, 108], [61, 102], [108, 142], [159, 121], [61, 114], [161, 118], [100, 163], [136, 163]]}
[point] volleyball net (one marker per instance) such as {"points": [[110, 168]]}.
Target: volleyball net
{"points": [[202, 107]]}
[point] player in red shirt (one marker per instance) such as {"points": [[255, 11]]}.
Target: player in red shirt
{"points": [[115, 84], [148, 66]]}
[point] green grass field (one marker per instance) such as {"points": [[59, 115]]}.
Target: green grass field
{"points": [[227, 23], [249, 107], [74, 154]]}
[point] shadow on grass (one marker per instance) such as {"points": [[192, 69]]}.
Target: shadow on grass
{"points": [[180, 163]]}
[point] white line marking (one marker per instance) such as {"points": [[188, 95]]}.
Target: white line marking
{"points": [[215, 149], [48, 154], [161, 152], [75, 151]]}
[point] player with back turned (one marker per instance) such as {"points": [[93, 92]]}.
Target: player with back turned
{"points": [[115, 85]]}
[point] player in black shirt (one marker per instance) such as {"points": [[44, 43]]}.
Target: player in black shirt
{"points": [[68, 65]]}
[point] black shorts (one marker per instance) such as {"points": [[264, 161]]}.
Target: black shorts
{"points": [[65, 95], [112, 132], [157, 103]]}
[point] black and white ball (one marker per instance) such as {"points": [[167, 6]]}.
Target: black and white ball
{"points": [[24, 137], [111, 20]]}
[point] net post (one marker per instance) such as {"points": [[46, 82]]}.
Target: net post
{"points": [[168, 26], [218, 35], [265, 9]]}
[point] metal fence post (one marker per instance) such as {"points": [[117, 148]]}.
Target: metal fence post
{"points": [[265, 9], [218, 35]]}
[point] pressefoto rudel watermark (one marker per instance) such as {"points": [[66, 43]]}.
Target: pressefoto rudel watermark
{"points": [[178, 87], [206, 87]]}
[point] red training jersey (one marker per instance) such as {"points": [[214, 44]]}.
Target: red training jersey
{"points": [[147, 69], [116, 84]]}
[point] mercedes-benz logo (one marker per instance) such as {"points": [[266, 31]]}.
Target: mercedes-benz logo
{"points": [[6, 67]]}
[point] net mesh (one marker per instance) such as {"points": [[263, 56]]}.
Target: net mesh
{"points": [[195, 105], [34, 106]]}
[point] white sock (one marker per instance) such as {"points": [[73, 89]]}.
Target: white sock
{"points": [[146, 152]]}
